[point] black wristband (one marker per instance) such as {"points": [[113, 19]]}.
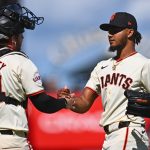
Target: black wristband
{"points": [[64, 102]]}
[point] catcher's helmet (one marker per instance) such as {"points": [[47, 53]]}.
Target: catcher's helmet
{"points": [[14, 18]]}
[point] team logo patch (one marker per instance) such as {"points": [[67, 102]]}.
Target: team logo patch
{"points": [[37, 78]]}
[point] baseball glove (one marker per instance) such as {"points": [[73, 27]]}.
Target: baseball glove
{"points": [[138, 103]]}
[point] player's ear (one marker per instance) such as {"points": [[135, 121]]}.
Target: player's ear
{"points": [[130, 33]]}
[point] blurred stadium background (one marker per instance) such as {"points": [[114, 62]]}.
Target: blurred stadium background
{"points": [[65, 48]]}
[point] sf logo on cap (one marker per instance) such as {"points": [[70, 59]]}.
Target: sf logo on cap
{"points": [[112, 17]]}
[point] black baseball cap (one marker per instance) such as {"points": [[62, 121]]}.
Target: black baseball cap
{"points": [[122, 20]]}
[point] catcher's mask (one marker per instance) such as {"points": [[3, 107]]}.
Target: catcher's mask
{"points": [[14, 18]]}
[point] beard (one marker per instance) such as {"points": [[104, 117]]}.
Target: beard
{"points": [[118, 46], [112, 49], [115, 48]]}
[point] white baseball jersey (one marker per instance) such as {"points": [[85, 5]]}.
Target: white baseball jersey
{"points": [[111, 78], [19, 77]]}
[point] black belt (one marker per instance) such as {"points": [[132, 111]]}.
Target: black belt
{"points": [[121, 125], [10, 132], [10, 100]]}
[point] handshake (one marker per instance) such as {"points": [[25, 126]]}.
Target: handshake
{"points": [[70, 97]]}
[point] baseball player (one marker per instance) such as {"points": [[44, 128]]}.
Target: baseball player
{"points": [[111, 78], [19, 78]]}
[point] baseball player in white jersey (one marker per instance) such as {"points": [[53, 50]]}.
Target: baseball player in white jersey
{"points": [[110, 78], [19, 79]]}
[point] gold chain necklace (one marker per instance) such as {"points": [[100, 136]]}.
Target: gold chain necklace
{"points": [[115, 65], [120, 60]]}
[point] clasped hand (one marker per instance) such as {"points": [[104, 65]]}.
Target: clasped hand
{"points": [[70, 97]]}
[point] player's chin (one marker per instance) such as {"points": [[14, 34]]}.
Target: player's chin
{"points": [[112, 48]]}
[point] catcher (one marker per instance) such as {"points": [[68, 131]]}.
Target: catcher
{"points": [[124, 110], [19, 79]]}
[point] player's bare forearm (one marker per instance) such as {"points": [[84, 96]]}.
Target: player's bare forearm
{"points": [[83, 103], [80, 105]]}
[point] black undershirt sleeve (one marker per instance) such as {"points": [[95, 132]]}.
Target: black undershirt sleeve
{"points": [[47, 104]]}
